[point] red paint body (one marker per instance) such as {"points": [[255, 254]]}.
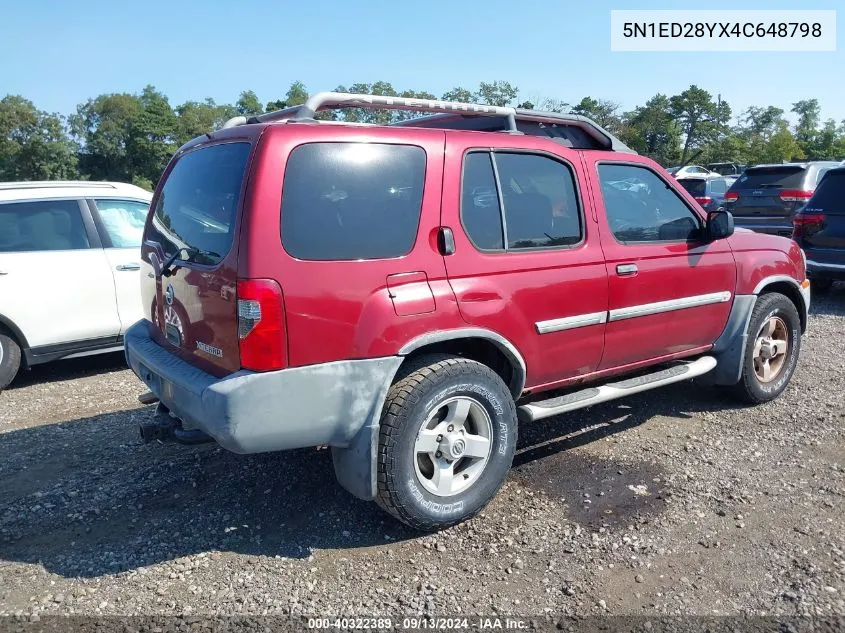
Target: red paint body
{"points": [[369, 308]]}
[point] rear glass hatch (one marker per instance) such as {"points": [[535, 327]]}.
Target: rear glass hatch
{"points": [[769, 191], [193, 226]]}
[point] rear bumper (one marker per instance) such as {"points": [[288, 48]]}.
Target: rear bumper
{"points": [[254, 412], [773, 226], [827, 270]]}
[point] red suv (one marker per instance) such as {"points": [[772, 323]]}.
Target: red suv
{"points": [[407, 294]]}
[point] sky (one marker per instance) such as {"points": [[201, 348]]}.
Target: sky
{"points": [[58, 54]]}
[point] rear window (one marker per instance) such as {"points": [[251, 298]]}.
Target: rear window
{"points": [[50, 225], [771, 177], [697, 187], [830, 195], [198, 205], [348, 201]]}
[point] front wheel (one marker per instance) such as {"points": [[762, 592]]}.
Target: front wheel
{"points": [[771, 354], [446, 443]]}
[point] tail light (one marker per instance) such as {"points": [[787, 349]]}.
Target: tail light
{"points": [[795, 195], [702, 200], [804, 224], [732, 196], [261, 325]]}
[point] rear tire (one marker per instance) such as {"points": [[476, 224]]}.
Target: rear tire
{"points": [[10, 359], [771, 354], [446, 442]]}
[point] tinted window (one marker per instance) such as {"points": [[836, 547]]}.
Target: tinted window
{"points": [[718, 186], [538, 197], [54, 225], [480, 210], [643, 208], [198, 205], [123, 221], [696, 186], [771, 177], [541, 208], [344, 201], [830, 195]]}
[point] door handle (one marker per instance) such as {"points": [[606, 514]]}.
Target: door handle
{"points": [[3, 272], [626, 269], [132, 266]]}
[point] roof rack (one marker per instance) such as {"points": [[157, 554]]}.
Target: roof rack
{"points": [[56, 184], [584, 133]]}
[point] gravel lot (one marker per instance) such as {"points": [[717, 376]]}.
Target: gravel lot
{"points": [[673, 502]]}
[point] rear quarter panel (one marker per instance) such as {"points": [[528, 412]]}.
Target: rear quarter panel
{"points": [[338, 310]]}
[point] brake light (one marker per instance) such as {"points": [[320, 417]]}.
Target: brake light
{"points": [[806, 223], [702, 200], [795, 195], [261, 325], [732, 196]]}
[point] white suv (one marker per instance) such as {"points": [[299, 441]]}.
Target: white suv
{"points": [[69, 269]]}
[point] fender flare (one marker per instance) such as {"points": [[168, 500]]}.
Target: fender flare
{"points": [[355, 464], [729, 348]]}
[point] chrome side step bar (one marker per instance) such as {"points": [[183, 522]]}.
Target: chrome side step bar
{"points": [[610, 391]]}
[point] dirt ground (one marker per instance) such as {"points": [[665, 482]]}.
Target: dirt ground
{"points": [[672, 502]]}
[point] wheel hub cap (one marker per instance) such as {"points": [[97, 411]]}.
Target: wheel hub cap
{"points": [[770, 349], [453, 446]]}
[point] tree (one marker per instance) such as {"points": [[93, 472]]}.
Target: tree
{"points": [[152, 137], [103, 126], [461, 95], [651, 130], [700, 119], [297, 94], [496, 93], [248, 103], [194, 118], [34, 145], [808, 112], [602, 112]]}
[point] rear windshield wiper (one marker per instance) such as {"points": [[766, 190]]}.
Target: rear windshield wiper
{"points": [[194, 255], [169, 266]]}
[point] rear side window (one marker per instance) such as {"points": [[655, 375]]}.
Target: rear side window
{"points": [[697, 187], [830, 195], [349, 201], [50, 225], [771, 177], [197, 208], [718, 186], [538, 207], [123, 221]]}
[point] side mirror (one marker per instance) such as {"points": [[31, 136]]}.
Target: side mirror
{"points": [[720, 224]]}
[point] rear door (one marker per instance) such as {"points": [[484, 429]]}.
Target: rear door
{"points": [[670, 292], [195, 218], [764, 198], [528, 262], [121, 227], [55, 282]]}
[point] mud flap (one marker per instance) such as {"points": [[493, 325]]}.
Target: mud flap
{"points": [[729, 348], [355, 464]]}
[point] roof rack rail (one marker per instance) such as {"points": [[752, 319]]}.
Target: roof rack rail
{"points": [[590, 135], [337, 100], [56, 184]]}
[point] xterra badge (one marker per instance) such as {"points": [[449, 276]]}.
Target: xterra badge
{"points": [[210, 349]]}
